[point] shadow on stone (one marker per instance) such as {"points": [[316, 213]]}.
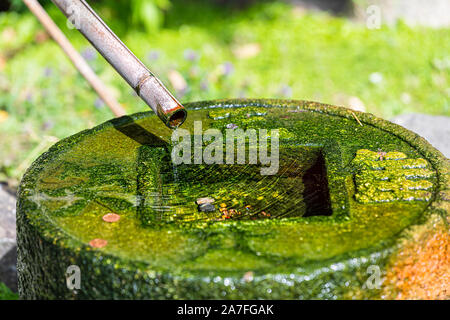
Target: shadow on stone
{"points": [[316, 194], [131, 129]]}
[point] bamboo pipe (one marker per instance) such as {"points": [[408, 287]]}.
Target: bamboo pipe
{"points": [[138, 76]]}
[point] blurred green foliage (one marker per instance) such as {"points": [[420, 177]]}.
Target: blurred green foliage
{"points": [[148, 14], [17, 5], [6, 294], [143, 14], [267, 50]]}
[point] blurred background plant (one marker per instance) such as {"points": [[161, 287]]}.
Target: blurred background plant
{"points": [[210, 50], [6, 293], [149, 14]]}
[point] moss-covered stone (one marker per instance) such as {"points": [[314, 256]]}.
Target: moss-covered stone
{"points": [[310, 231], [385, 177]]}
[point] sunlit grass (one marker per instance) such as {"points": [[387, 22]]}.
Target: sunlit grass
{"points": [[267, 50]]}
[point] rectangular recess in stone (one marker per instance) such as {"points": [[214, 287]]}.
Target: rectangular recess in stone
{"points": [[316, 193], [168, 193]]}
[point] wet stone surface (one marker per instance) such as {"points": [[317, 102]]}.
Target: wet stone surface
{"points": [[390, 176], [304, 220], [165, 224]]}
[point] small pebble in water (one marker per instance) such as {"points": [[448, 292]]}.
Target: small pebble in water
{"points": [[200, 201], [98, 243], [206, 207], [111, 217]]}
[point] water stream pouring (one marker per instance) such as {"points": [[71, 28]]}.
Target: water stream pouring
{"points": [[138, 76]]}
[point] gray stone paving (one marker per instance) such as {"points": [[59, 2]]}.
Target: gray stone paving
{"points": [[8, 256], [435, 129]]}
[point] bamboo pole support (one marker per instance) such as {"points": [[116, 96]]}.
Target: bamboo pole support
{"points": [[78, 61]]}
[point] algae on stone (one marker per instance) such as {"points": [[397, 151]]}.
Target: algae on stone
{"points": [[304, 249], [385, 177]]}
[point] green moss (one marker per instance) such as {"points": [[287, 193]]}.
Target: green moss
{"points": [[385, 177], [163, 247], [247, 118], [227, 260], [126, 238], [237, 113]]}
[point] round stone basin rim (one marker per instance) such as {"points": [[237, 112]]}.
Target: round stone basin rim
{"points": [[49, 230]]}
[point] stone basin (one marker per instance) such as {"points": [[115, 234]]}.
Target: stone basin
{"points": [[352, 196]]}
